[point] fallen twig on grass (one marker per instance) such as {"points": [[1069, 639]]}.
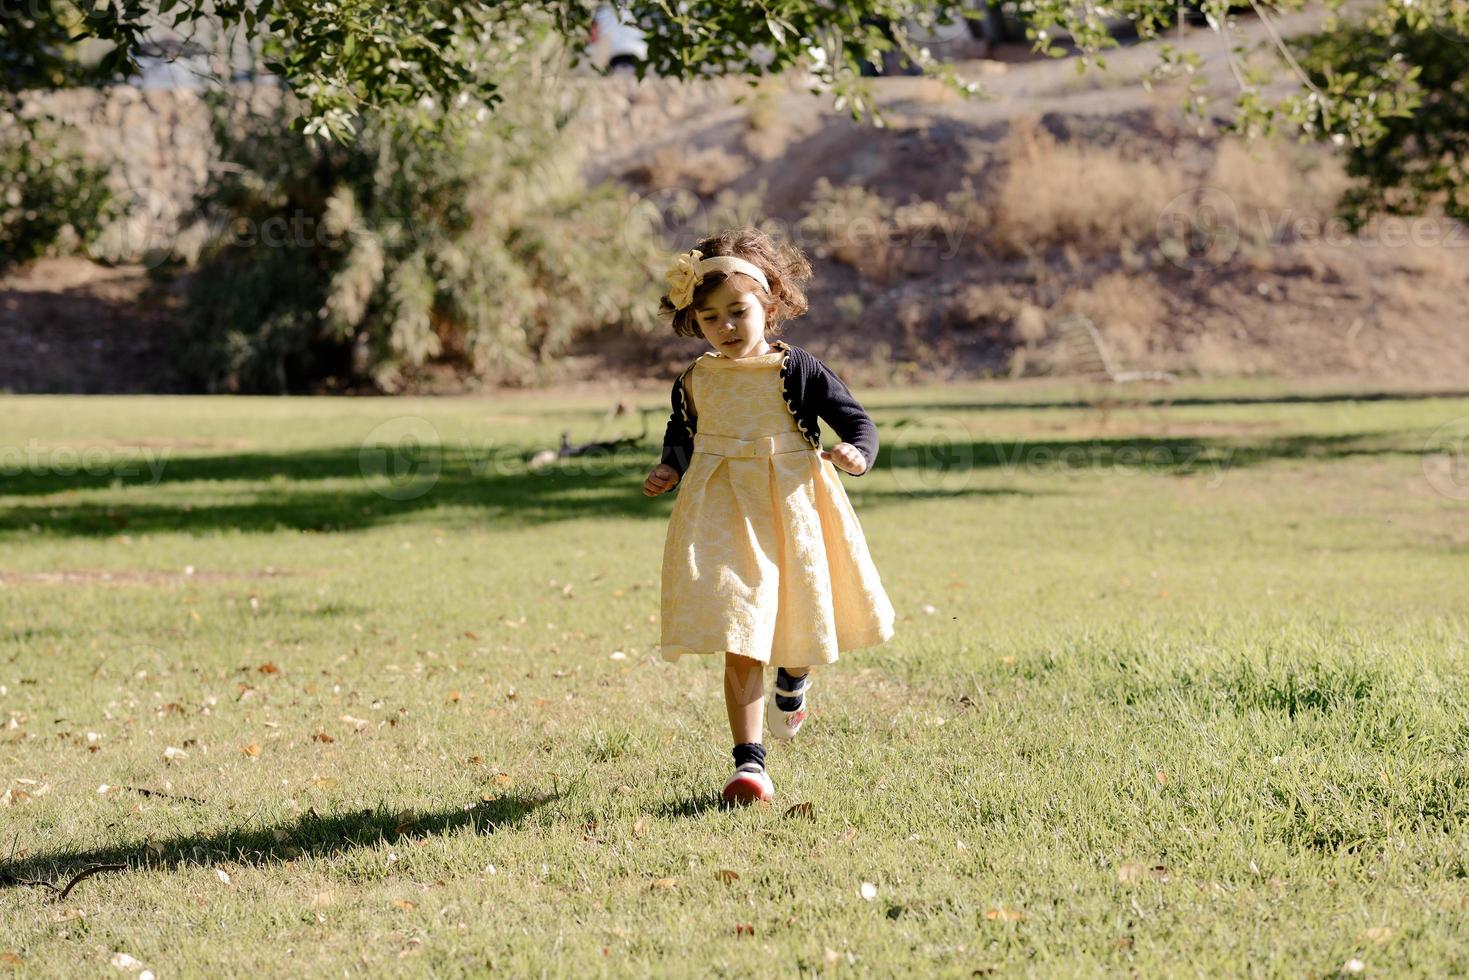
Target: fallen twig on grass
{"points": [[7, 880], [87, 873], [163, 793]]}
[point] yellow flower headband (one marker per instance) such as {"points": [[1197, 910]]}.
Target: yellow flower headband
{"points": [[688, 270]]}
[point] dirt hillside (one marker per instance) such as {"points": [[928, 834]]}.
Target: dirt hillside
{"points": [[1004, 236], [1060, 225]]}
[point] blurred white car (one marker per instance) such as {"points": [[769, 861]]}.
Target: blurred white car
{"points": [[615, 44]]}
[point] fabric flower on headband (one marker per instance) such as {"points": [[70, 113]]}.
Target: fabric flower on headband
{"points": [[682, 276], [688, 270]]}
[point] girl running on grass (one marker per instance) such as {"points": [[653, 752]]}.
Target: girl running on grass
{"points": [[764, 560]]}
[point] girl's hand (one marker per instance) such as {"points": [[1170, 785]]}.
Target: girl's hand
{"points": [[662, 477], [848, 457]]}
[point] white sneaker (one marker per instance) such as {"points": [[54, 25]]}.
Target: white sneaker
{"points": [[785, 724], [749, 784]]}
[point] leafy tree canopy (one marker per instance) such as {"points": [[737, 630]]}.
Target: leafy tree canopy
{"points": [[1383, 79]]}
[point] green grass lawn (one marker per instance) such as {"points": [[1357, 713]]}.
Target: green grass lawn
{"points": [[1177, 689]]}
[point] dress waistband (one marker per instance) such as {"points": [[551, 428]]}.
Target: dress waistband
{"points": [[780, 442]]}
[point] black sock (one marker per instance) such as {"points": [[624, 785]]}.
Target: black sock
{"points": [[790, 682], [749, 752]]}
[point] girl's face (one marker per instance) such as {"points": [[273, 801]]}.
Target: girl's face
{"points": [[733, 321]]}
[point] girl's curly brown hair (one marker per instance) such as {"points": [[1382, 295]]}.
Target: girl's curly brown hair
{"points": [[784, 265]]}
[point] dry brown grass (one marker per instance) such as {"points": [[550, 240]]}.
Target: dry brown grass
{"points": [[976, 303], [1092, 198], [1281, 192], [1127, 310], [1211, 354], [704, 171]]}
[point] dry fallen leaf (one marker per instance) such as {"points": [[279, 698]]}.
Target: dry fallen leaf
{"points": [[726, 876], [640, 826], [1133, 873], [1378, 934], [503, 779], [323, 737], [744, 929], [11, 959], [847, 835], [453, 696], [664, 884], [803, 809], [252, 750], [404, 904], [324, 782], [269, 668], [1001, 914]]}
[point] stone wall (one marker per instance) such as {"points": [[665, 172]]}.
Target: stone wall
{"points": [[158, 145]]}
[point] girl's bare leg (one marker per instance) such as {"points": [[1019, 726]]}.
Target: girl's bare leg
{"points": [[744, 696]]}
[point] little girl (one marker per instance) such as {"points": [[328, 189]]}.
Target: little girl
{"points": [[764, 561]]}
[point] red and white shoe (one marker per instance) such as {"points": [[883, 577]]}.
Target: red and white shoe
{"points": [[748, 785], [785, 724]]}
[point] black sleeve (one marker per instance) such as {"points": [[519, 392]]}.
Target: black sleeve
{"points": [[845, 415], [678, 443]]}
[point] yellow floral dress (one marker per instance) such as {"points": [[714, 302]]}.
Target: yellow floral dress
{"points": [[764, 555]]}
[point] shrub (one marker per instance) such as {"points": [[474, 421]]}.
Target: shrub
{"points": [[381, 262], [53, 199]]}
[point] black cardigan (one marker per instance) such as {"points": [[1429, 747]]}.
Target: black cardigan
{"points": [[811, 390]]}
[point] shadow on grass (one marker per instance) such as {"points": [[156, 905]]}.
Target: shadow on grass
{"points": [[313, 835], [1123, 399], [343, 488]]}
